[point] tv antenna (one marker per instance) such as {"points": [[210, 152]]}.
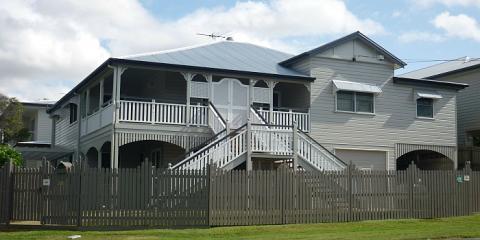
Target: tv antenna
{"points": [[215, 36]]}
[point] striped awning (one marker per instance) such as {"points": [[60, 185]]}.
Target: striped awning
{"points": [[355, 87]]}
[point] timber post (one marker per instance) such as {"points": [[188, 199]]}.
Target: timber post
{"points": [[248, 142]]}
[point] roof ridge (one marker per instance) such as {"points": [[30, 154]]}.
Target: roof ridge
{"points": [[169, 50], [199, 45]]}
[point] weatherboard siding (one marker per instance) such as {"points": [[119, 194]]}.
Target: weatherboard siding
{"points": [[468, 103], [66, 134], [44, 126], [394, 120]]}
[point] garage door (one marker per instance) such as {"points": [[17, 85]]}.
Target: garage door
{"points": [[375, 160]]}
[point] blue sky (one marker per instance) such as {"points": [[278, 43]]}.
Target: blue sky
{"points": [[397, 16], [53, 45]]}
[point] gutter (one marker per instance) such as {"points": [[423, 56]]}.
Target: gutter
{"points": [[430, 83]]}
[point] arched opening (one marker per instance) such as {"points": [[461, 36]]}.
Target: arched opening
{"points": [[261, 84], [425, 160], [291, 96], [92, 158], [199, 78], [105, 151], [160, 153]]}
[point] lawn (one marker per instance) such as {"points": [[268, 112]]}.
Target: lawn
{"points": [[458, 227]]}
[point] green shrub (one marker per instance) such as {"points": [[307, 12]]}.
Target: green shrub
{"points": [[8, 153]]}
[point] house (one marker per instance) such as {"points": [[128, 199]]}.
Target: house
{"points": [[38, 146], [242, 106], [461, 70]]}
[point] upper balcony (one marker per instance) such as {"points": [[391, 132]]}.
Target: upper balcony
{"points": [[157, 97]]}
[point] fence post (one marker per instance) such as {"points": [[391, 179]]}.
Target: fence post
{"points": [[11, 180], [295, 145], [411, 182], [468, 172], [209, 195], [249, 145], [350, 169], [79, 207]]}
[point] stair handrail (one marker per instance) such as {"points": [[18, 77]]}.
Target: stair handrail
{"points": [[304, 134], [259, 115], [217, 114], [212, 144]]}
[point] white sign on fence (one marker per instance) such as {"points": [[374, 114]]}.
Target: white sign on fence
{"points": [[46, 182]]}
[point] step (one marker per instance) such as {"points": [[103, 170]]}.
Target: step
{"points": [[270, 155]]}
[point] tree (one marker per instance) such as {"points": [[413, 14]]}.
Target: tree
{"points": [[11, 124], [8, 153]]}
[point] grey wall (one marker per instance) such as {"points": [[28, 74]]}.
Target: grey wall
{"points": [[66, 134], [468, 103], [394, 120], [44, 126]]}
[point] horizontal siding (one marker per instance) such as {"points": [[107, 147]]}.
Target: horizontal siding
{"points": [[44, 126], [66, 134], [395, 109], [468, 103]]}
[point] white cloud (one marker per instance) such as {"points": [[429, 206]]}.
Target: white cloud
{"points": [[46, 47], [449, 3], [419, 36], [461, 26]]}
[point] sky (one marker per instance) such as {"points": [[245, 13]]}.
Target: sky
{"points": [[47, 47]]}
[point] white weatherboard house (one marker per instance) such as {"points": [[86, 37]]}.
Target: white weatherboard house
{"points": [[243, 106]]}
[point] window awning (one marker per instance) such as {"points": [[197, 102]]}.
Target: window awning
{"points": [[355, 87], [427, 94]]}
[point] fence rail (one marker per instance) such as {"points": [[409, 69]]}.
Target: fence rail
{"points": [[147, 196]]}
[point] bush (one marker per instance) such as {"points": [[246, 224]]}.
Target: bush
{"points": [[7, 153]]}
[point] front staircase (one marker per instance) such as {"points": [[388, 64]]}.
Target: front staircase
{"points": [[228, 149]]}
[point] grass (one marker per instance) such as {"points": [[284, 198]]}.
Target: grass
{"points": [[444, 228]]}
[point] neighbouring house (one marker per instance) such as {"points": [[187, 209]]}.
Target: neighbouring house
{"points": [[242, 106], [461, 70], [38, 147]]}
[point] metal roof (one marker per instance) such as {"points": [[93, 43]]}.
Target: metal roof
{"points": [[224, 55], [445, 68], [429, 83], [352, 36]]}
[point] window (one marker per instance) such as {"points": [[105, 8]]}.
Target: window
{"points": [[355, 102], [425, 107], [73, 112]]}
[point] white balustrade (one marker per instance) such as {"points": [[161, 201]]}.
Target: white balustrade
{"points": [[288, 118], [316, 155], [220, 153], [273, 141], [163, 113]]}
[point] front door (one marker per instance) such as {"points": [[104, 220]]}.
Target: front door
{"points": [[230, 97]]}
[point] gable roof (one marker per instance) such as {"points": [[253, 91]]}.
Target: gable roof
{"points": [[225, 55], [356, 35], [445, 68]]}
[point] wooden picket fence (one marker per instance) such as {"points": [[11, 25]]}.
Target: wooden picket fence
{"points": [[151, 197]]}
